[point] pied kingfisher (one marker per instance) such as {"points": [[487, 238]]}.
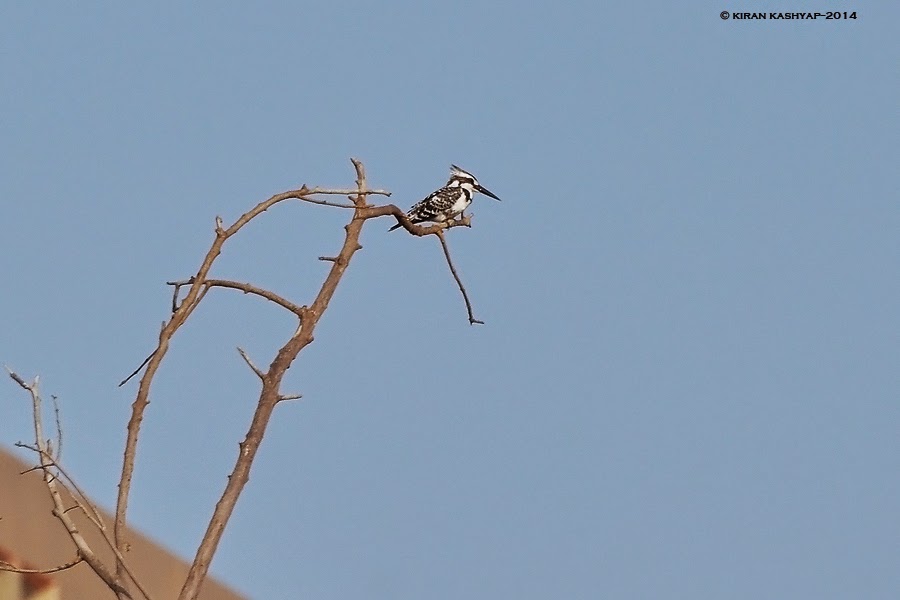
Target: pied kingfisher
{"points": [[448, 202]]}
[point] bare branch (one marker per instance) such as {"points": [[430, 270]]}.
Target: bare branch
{"points": [[59, 432], [360, 198], [372, 212], [15, 377], [250, 364], [270, 394], [70, 484], [420, 231], [82, 503], [5, 566], [196, 292], [252, 289], [59, 510], [472, 319], [327, 203], [347, 192], [199, 285]]}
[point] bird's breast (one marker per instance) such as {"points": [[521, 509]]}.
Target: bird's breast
{"points": [[461, 204]]}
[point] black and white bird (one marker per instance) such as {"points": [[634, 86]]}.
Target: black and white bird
{"points": [[450, 201]]}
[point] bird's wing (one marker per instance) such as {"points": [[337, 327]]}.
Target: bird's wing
{"points": [[436, 203]]}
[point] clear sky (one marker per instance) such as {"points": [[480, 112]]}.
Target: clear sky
{"points": [[687, 384]]}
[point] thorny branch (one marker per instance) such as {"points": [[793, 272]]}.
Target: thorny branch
{"points": [[81, 500], [49, 468], [270, 395], [197, 289], [82, 504], [197, 286]]}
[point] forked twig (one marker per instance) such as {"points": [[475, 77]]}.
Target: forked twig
{"points": [[59, 511], [270, 395]]}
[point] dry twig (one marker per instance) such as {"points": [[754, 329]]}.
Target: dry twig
{"points": [[59, 511], [462, 288], [5, 566], [250, 364]]}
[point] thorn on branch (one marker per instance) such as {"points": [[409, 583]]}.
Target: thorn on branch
{"points": [[282, 397], [250, 364], [219, 230], [328, 258]]}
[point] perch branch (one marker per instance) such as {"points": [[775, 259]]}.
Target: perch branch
{"points": [[420, 231]]}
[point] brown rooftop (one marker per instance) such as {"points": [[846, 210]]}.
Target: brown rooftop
{"points": [[32, 536]]}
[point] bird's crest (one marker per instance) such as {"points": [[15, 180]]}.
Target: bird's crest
{"points": [[458, 175]]}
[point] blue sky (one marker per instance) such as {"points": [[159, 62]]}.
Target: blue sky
{"points": [[687, 383]]}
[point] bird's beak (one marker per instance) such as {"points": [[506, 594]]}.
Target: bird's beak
{"points": [[487, 192]]}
